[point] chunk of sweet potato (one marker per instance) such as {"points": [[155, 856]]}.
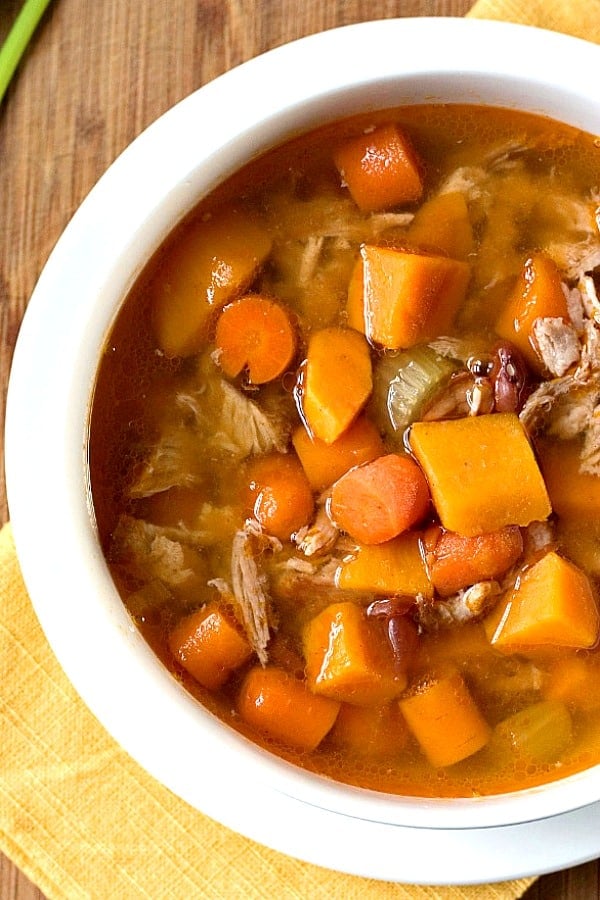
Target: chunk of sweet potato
{"points": [[552, 604], [482, 472], [395, 567], [213, 261], [348, 657], [537, 294], [568, 680], [370, 730], [450, 647], [336, 381], [407, 297], [325, 463], [355, 308], [443, 224], [574, 494]]}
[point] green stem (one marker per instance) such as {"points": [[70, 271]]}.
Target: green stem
{"points": [[19, 36]]}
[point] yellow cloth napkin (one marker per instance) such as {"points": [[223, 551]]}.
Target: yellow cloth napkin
{"points": [[83, 820], [580, 18]]}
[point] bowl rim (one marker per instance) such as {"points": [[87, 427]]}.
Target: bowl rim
{"points": [[152, 185]]}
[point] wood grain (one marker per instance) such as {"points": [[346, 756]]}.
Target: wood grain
{"points": [[96, 73]]}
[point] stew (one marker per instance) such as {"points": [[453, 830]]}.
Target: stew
{"points": [[345, 451]]}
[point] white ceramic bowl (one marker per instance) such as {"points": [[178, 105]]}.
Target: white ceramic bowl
{"points": [[155, 182]]}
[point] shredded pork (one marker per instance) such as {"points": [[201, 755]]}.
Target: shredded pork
{"points": [[557, 344], [562, 405], [170, 463], [148, 554], [240, 427], [321, 535], [209, 416], [249, 585], [538, 539], [469, 605]]}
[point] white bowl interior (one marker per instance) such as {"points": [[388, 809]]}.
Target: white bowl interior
{"points": [[155, 182]]}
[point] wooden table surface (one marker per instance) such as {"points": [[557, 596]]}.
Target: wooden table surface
{"points": [[96, 73]]}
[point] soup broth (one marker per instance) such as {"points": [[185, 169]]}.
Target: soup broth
{"points": [[345, 452]]}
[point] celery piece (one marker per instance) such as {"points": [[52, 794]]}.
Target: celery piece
{"points": [[539, 733], [402, 384], [18, 38]]}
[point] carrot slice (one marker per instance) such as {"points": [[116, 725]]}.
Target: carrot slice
{"points": [[380, 168], [457, 561], [379, 500], [209, 645], [336, 381], [325, 463], [279, 492], [255, 333], [445, 720], [283, 708], [537, 294], [212, 262]]}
